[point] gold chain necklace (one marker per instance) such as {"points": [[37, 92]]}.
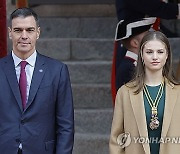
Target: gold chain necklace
{"points": [[154, 124]]}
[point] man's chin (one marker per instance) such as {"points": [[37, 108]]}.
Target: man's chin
{"points": [[24, 51]]}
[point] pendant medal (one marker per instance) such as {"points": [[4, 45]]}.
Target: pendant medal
{"points": [[154, 124]]}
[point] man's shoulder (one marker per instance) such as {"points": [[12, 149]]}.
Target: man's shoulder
{"points": [[49, 60], [5, 58]]}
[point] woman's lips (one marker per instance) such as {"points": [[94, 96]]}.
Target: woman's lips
{"points": [[155, 63]]}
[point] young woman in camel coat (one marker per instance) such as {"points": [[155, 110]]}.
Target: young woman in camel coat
{"points": [[147, 110]]}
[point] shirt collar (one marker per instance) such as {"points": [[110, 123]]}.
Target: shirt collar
{"points": [[31, 60]]}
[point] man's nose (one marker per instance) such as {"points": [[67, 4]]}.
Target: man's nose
{"points": [[24, 34]]}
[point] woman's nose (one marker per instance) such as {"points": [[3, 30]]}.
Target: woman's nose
{"points": [[154, 55]]}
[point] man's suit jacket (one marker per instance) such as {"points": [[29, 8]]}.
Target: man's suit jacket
{"points": [[129, 117], [46, 126]]}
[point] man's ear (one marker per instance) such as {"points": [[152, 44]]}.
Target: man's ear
{"points": [[38, 33], [134, 43], [9, 31]]}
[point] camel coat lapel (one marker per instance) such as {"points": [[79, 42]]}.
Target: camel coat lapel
{"points": [[140, 116], [171, 99]]}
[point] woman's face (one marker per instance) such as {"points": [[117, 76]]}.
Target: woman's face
{"points": [[154, 55]]}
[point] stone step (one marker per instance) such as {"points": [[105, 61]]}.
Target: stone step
{"points": [[92, 96], [176, 54], [86, 49], [175, 48], [94, 72], [89, 121], [89, 27], [91, 144], [76, 49], [78, 10], [92, 130]]}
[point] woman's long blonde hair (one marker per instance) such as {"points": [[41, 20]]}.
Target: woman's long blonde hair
{"points": [[140, 69]]}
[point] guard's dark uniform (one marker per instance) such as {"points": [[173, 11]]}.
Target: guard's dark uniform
{"points": [[140, 8], [126, 68]]}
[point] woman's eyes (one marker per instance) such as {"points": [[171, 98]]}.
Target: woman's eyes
{"points": [[160, 51], [150, 51]]}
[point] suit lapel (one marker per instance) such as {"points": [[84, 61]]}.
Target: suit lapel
{"points": [[171, 99], [38, 74], [10, 72], [140, 116]]}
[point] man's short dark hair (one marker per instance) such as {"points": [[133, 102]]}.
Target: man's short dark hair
{"points": [[24, 12]]}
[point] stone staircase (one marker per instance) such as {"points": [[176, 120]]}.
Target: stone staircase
{"points": [[85, 44]]}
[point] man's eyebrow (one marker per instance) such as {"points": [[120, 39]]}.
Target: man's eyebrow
{"points": [[24, 28], [17, 28], [30, 28]]}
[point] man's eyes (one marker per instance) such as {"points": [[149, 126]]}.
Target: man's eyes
{"points": [[30, 30], [17, 30], [27, 30]]}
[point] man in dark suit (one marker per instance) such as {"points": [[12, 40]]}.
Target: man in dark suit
{"points": [[36, 106]]}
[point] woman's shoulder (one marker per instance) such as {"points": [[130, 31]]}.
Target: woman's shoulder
{"points": [[172, 85], [130, 86], [177, 86]]}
